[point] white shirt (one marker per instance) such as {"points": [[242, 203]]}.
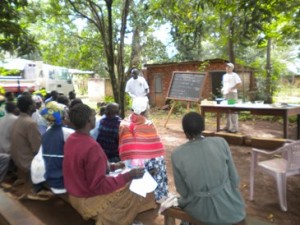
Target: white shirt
{"points": [[95, 132], [137, 87], [229, 81]]}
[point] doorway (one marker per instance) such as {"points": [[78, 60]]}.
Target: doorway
{"points": [[216, 83]]}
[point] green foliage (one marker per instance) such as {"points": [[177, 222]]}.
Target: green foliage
{"points": [[41, 91], [189, 28], [2, 90], [203, 66], [71, 34], [154, 51], [64, 39], [202, 30], [109, 99], [128, 102], [5, 72], [14, 36], [288, 92], [81, 83], [261, 78], [181, 107]]}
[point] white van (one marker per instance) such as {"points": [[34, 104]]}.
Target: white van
{"points": [[54, 78], [36, 75]]}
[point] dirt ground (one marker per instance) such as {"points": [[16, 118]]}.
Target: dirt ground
{"points": [[265, 206]]}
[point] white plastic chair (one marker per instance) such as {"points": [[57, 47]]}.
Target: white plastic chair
{"points": [[280, 168]]}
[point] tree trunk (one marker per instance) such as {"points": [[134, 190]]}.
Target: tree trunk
{"points": [[135, 58], [109, 50], [114, 51], [231, 44], [120, 61], [269, 92]]}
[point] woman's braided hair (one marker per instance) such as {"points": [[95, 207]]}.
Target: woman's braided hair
{"points": [[80, 115]]}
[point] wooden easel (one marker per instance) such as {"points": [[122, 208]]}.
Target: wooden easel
{"points": [[185, 86], [187, 107]]}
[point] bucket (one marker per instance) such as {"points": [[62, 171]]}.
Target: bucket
{"points": [[231, 101], [219, 100]]}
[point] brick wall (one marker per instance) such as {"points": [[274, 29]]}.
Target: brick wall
{"points": [[159, 77]]}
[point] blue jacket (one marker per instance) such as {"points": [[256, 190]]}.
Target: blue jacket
{"points": [[53, 153]]}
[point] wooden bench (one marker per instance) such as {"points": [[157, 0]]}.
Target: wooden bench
{"points": [[173, 213], [268, 143], [232, 139], [13, 212]]}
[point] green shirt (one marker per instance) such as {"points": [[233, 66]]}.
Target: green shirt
{"points": [[207, 181]]}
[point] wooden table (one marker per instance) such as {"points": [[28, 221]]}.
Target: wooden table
{"points": [[256, 109]]}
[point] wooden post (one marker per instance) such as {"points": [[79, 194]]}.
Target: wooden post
{"points": [[199, 106], [169, 114]]}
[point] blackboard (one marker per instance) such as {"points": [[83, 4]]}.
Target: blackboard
{"points": [[186, 86]]}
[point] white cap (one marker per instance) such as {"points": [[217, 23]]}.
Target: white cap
{"points": [[37, 98], [230, 65], [139, 104]]}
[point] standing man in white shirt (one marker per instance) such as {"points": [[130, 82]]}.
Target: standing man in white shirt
{"points": [[231, 83], [137, 86]]}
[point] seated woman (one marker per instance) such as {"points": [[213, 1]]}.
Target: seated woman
{"points": [[53, 146], [205, 177], [37, 117], [108, 132], [140, 146], [92, 192]]}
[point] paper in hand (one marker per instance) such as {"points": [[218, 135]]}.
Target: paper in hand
{"points": [[144, 185]]}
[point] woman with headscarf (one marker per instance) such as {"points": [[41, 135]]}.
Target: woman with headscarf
{"points": [[36, 116], [53, 145], [140, 146]]}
